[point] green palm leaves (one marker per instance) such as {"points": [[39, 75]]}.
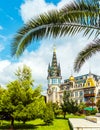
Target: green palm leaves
{"points": [[73, 18], [87, 52]]}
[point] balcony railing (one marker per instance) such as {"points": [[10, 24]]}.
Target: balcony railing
{"points": [[89, 95], [90, 104]]}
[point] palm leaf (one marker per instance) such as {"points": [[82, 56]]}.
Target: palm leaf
{"points": [[69, 20], [86, 53]]}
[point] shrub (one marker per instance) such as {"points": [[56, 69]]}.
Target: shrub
{"points": [[88, 113], [93, 112]]}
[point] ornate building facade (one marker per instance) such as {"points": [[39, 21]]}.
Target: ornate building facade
{"points": [[81, 88]]}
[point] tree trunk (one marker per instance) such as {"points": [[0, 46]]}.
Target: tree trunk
{"points": [[12, 123], [64, 114], [24, 122]]}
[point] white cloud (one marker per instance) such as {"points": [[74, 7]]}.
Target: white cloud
{"points": [[67, 50], [3, 37], [1, 47], [63, 2], [1, 28], [10, 17], [32, 8]]}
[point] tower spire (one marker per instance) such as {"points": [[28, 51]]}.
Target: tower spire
{"points": [[54, 48], [54, 69], [54, 59]]}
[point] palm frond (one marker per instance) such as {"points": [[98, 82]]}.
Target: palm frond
{"points": [[57, 23], [86, 53]]}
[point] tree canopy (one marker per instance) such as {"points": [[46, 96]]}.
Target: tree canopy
{"points": [[20, 101]]}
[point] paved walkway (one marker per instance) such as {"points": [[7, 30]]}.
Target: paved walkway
{"points": [[83, 124]]}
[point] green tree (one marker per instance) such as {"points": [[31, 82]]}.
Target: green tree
{"points": [[24, 74], [81, 107], [56, 109], [98, 105], [20, 101], [79, 16], [1, 91], [48, 116], [64, 104], [68, 104], [73, 107]]}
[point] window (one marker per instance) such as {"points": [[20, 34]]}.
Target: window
{"points": [[76, 94], [84, 77], [91, 91], [54, 81], [87, 92], [72, 94], [81, 93], [88, 83], [81, 85], [59, 81]]}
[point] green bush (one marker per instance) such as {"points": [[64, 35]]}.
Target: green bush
{"points": [[88, 113], [94, 111]]}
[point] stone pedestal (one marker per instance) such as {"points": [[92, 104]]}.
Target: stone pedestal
{"points": [[95, 118]]}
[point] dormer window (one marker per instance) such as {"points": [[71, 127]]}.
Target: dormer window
{"points": [[84, 77], [89, 84]]}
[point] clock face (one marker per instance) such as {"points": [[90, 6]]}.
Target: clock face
{"points": [[49, 91], [53, 73]]}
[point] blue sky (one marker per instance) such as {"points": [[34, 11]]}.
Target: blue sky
{"points": [[10, 21], [15, 13]]}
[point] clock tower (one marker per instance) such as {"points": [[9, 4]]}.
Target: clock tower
{"points": [[54, 79]]}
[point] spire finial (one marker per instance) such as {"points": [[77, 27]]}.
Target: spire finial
{"points": [[71, 72], [54, 48], [89, 70]]}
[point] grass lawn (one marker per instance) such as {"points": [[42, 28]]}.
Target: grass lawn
{"points": [[38, 124]]}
